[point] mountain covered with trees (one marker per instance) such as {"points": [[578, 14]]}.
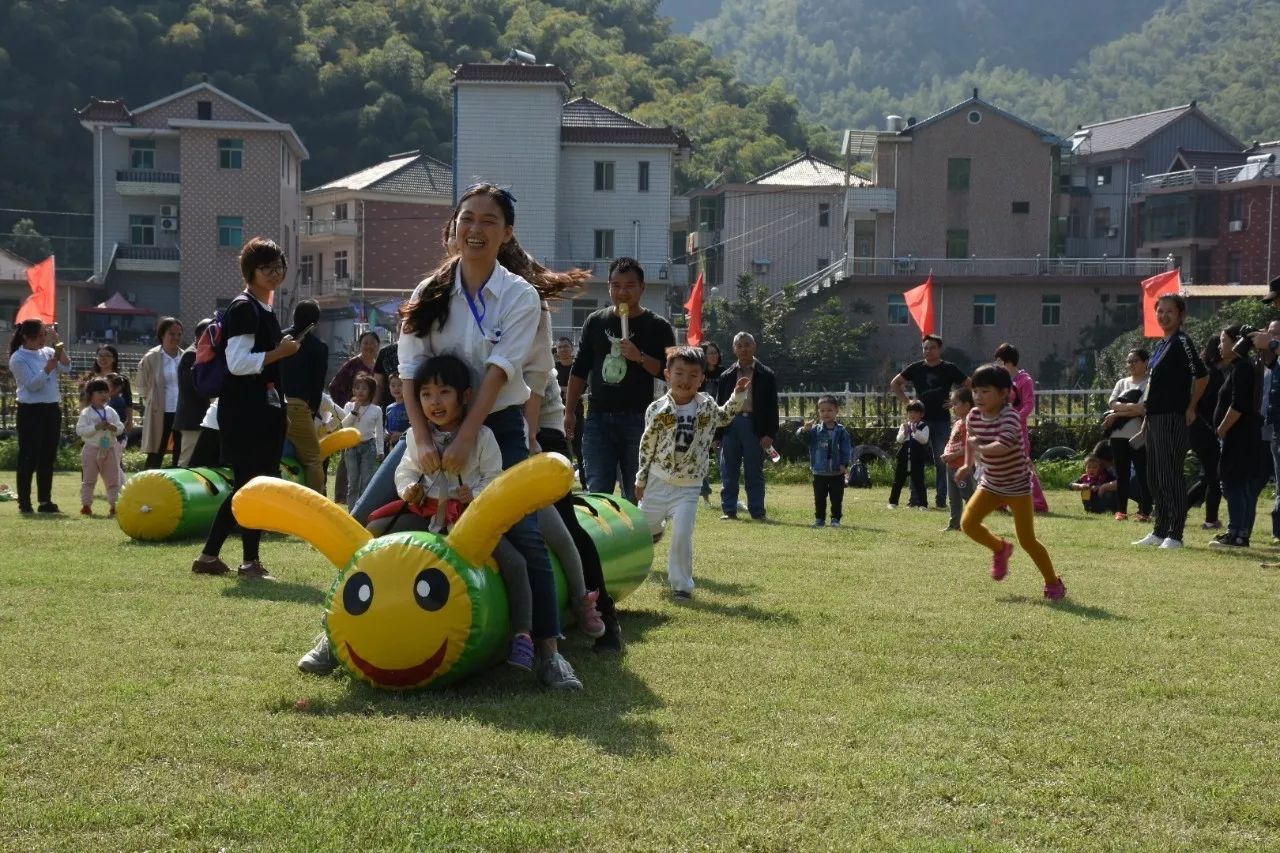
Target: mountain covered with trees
{"points": [[851, 62], [360, 79]]}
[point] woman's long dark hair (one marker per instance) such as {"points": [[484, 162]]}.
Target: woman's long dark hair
{"points": [[25, 329], [430, 303]]}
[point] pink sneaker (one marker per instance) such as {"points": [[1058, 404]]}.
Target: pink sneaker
{"points": [[588, 616], [1055, 591], [1000, 562]]}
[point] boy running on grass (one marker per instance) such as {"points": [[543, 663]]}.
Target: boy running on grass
{"points": [[678, 429], [995, 443]]}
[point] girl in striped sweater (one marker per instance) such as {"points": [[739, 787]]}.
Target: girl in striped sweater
{"points": [[995, 443]]}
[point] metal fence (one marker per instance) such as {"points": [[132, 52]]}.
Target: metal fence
{"points": [[878, 410]]}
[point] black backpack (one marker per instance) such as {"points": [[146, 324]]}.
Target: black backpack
{"points": [[859, 477]]}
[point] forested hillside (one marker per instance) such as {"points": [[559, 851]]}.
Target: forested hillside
{"points": [[852, 61], [358, 79]]}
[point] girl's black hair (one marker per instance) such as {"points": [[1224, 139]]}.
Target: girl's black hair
{"points": [[1141, 353], [22, 331], [1177, 302], [367, 380], [915, 406], [1007, 353], [991, 376], [964, 395], [95, 385], [443, 370]]}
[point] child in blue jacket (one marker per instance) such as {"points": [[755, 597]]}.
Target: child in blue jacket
{"points": [[830, 454]]}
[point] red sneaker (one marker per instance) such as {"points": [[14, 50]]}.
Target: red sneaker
{"points": [[86, 510], [1000, 562], [1122, 516], [1055, 591]]}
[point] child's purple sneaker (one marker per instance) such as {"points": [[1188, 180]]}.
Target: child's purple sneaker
{"points": [[521, 652], [1055, 591], [1000, 562]]}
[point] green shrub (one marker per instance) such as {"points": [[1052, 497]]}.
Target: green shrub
{"points": [[68, 457]]}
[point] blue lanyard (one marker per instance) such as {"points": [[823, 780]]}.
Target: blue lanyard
{"points": [[102, 414], [478, 315], [1161, 349]]}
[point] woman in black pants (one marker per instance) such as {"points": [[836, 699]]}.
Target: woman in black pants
{"points": [[1178, 379], [36, 369], [251, 409], [1124, 421], [1204, 441]]}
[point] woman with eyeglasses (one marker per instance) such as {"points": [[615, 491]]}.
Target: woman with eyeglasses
{"points": [[251, 407], [1121, 425], [158, 387]]}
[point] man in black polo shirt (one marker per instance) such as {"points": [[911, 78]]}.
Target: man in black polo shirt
{"points": [[933, 380], [621, 369]]}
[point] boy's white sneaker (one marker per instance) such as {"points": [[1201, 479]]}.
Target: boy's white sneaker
{"points": [[1151, 539], [1171, 543]]}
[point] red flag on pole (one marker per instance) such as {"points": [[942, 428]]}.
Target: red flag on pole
{"points": [[41, 304], [1152, 289], [694, 307], [920, 304]]}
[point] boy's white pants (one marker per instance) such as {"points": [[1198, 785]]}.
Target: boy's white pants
{"points": [[663, 500]]}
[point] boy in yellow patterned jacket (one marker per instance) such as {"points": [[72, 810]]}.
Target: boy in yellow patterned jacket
{"points": [[678, 429]]}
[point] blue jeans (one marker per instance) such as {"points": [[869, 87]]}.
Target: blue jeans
{"points": [[1275, 508], [382, 486], [611, 441], [1242, 504], [939, 432], [741, 446]]}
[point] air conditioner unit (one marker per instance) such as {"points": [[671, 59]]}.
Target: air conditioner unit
{"points": [[168, 223], [169, 211], [1235, 226], [1113, 231]]}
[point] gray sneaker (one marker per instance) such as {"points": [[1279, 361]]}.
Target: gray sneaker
{"points": [[556, 673], [320, 660]]}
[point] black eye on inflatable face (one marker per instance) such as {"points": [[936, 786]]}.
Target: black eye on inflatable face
{"points": [[431, 589], [357, 595]]}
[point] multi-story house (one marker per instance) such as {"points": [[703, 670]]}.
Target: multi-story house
{"points": [[1215, 213], [179, 185], [370, 237], [14, 289], [591, 183], [780, 227], [1108, 158]]}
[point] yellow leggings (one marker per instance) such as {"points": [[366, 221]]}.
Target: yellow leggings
{"points": [[983, 503]]}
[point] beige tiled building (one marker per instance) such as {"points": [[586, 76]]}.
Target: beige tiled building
{"points": [[179, 185]]}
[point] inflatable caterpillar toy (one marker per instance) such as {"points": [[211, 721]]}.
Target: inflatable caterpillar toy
{"points": [[411, 610], [179, 503]]}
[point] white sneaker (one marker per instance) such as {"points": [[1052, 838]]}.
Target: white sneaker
{"points": [[1151, 539], [1171, 543], [890, 506]]}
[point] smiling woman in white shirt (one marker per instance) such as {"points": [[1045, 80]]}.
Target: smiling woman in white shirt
{"points": [[158, 386], [36, 369]]}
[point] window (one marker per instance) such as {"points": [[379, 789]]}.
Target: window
{"points": [[604, 176], [230, 153], [958, 243], [1050, 310], [340, 211], [824, 215], [1233, 268], [231, 231], [823, 263], [1102, 176], [898, 315], [1126, 310], [679, 243], [604, 244], [340, 265], [310, 213], [1022, 207], [761, 266], [957, 173], [1237, 208], [204, 110], [975, 117], [142, 154], [642, 179], [984, 310], [306, 268], [142, 230], [1102, 222], [582, 309]]}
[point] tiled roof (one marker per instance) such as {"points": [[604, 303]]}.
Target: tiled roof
{"points": [[104, 110], [1121, 134], [585, 121], [404, 174], [1208, 159], [975, 101], [510, 72], [808, 171]]}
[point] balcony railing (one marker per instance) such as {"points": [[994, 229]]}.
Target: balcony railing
{"points": [[330, 228], [149, 253], [147, 176], [871, 200], [661, 270], [1192, 178], [325, 287]]}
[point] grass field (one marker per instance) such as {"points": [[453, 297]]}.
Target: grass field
{"points": [[863, 688]]}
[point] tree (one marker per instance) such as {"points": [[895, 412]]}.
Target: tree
{"points": [[25, 241], [832, 349]]}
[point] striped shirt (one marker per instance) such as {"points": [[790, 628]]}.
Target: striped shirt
{"points": [[1008, 474]]}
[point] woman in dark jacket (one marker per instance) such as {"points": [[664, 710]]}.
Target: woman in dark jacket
{"points": [[1240, 427], [191, 405]]}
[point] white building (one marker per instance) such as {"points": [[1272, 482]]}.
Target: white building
{"points": [[590, 183]]}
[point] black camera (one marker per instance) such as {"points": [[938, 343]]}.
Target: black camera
{"points": [[1244, 345]]}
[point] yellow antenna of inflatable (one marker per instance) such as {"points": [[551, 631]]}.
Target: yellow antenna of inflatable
{"points": [[268, 503], [536, 482], [338, 441]]}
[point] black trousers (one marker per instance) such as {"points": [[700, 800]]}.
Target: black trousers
{"points": [[208, 451], [1123, 455], [251, 449], [154, 460], [1167, 446], [830, 486], [1208, 489], [39, 427], [912, 459]]}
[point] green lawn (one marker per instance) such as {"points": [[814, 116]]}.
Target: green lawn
{"points": [[867, 688]]}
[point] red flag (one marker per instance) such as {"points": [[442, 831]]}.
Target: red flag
{"points": [[40, 305], [920, 304], [1152, 289], [694, 307]]}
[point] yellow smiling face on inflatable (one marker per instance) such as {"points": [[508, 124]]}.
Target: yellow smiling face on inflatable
{"points": [[400, 615]]}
